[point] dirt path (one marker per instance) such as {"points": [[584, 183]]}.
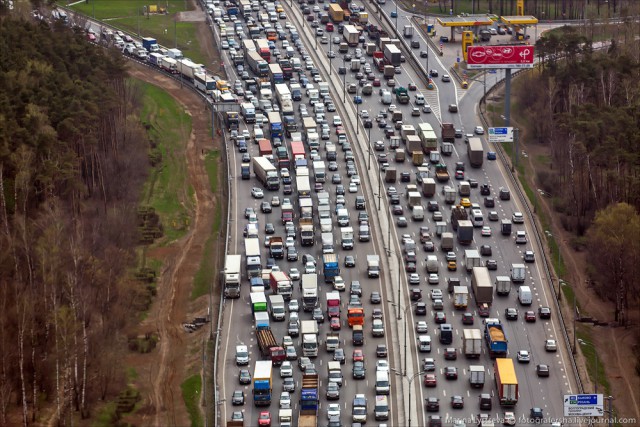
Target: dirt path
{"points": [[181, 261]]}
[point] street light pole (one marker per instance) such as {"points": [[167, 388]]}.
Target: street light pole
{"points": [[585, 343], [410, 381], [370, 154]]}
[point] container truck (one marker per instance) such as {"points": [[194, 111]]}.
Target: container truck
{"points": [[309, 286], [400, 155], [405, 131], [330, 266], [429, 187], [276, 247], [446, 242], [503, 285], [276, 307], [281, 284], [306, 231], [232, 276], [408, 31], [465, 232], [481, 285], [392, 55], [460, 297], [472, 343], [264, 147], [506, 381], [333, 304], [261, 319], [505, 227], [518, 272], [258, 301], [252, 254], [150, 44], [347, 237], [309, 331], [476, 376], [471, 259], [285, 417], [475, 152], [309, 401], [448, 132], [390, 175], [495, 338], [351, 35], [370, 48], [266, 173], [286, 214], [449, 194], [336, 13], [458, 213], [303, 186], [373, 266], [262, 383], [319, 171], [413, 143], [269, 347]]}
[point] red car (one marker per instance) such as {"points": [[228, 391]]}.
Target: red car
{"points": [[376, 83], [264, 420], [530, 316], [335, 324], [358, 355], [329, 27], [439, 317], [430, 380], [451, 373]]}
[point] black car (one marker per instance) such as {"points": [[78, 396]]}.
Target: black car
{"points": [[287, 189], [244, 377], [394, 199], [349, 261], [435, 421], [536, 413], [511, 313], [359, 371], [491, 264], [544, 312], [368, 124], [433, 73], [432, 404], [424, 54], [269, 228], [485, 190], [375, 298], [318, 315], [415, 44], [405, 177], [457, 402], [339, 356], [237, 398], [397, 210], [381, 350], [356, 288], [489, 202], [473, 183], [421, 309], [542, 370], [485, 250]]}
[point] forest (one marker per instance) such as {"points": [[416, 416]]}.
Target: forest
{"points": [[586, 107], [73, 159]]}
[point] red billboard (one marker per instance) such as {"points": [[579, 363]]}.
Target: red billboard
{"points": [[481, 57]]}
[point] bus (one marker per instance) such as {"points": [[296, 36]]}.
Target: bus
{"points": [[204, 83], [263, 49], [275, 74]]}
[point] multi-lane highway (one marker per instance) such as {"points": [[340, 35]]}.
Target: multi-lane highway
{"points": [[387, 242]]}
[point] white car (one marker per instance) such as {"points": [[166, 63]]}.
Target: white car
{"points": [[414, 279], [287, 341], [523, 356], [478, 130], [286, 370], [294, 273], [436, 294], [294, 306], [353, 188], [517, 218], [337, 121], [434, 279], [382, 365], [285, 400], [275, 201], [290, 242], [309, 268], [257, 193], [364, 114], [421, 327], [486, 231], [338, 284], [550, 345], [451, 256], [333, 410], [355, 179]]}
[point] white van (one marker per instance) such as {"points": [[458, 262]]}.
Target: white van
{"points": [[476, 218], [377, 328], [343, 217], [382, 382], [296, 64], [524, 295], [381, 409], [386, 97], [242, 355], [420, 99], [424, 343], [418, 213]]}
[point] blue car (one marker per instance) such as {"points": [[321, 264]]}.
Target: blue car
{"points": [[357, 99], [491, 155], [394, 14]]}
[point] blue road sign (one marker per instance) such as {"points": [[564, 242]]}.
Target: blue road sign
{"points": [[503, 134]]}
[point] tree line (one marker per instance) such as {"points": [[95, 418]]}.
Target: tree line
{"points": [[586, 108], [73, 158]]}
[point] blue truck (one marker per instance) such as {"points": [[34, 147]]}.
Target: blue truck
{"points": [[276, 130], [150, 44], [262, 383], [496, 339], [330, 267], [309, 401]]}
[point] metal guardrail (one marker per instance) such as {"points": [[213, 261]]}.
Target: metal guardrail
{"points": [[530, 212]]}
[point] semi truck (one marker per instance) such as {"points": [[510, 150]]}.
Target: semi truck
{"points": [[309, 331], [232, 276], [506, 381], [269, 347], [392, 55], [460, 297], [258, 302], [475, 152], [471, 259], [481, 285], [373, 266], [303, 185], [448, 132], [330, 267], [276, 307], [265, 148], [309, 400], [262, 383], [281, 284], [495, 338], [309, 286], [472, 343], [351, 35], [266, 173], [476, 376], [252, 254], [336, 13], [503, 285], [465, 232]]}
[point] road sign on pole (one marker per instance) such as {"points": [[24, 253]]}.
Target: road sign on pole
{"points": [[583, 405], [501, 134]]}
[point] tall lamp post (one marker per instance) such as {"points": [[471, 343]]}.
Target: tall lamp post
{"points": [[586, 343], [410, 381], [404, 310]]}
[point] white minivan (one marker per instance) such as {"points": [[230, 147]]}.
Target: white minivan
{"points": [[420, 99], [524, 295], [382, 382]]}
